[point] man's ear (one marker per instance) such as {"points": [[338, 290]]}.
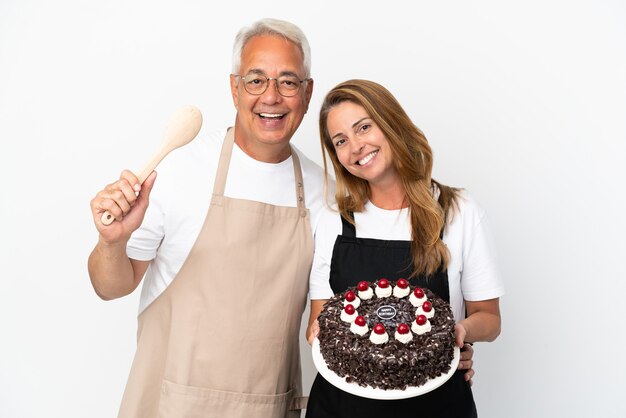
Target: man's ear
{"points": [[308, 93], [234, 90]]}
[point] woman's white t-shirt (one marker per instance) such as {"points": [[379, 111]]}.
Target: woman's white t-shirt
{"points": [[472, 271]]}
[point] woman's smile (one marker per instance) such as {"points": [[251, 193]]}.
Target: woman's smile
{"points": [[367, 158]]}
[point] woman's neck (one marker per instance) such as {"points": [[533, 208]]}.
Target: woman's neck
{"points": [[389, 197]]}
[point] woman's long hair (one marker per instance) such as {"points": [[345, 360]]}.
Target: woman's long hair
{"points": [[413, 160]]}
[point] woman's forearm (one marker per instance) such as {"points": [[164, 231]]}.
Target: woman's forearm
{"points": [[483, 320]]}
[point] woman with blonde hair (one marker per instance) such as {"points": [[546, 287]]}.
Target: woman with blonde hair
{"points": [[440, 239]]}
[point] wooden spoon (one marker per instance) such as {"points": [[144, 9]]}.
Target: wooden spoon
{"points": [[182, 127]]}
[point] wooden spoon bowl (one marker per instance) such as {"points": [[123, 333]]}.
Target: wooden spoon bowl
{"points": [[182, 127]]}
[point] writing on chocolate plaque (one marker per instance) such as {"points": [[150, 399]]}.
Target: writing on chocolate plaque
{"points": [[386, 312]]}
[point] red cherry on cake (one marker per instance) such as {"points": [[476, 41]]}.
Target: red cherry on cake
{"points": [[383, 283], [363, 286], [418, 292], [402, 283], [349, 309], [360, 321], [427, 306], [379, 329], [403, 329], [420, 319], [350, 296]]}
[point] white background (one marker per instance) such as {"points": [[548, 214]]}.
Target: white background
{"points": [[524, 104]]}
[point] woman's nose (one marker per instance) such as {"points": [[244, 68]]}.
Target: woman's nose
{"points": [[357, 146]]}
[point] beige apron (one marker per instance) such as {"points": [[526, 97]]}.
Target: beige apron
{"points": [[223, 339]]}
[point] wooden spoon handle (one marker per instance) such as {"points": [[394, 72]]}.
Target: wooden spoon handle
{"points": [[108, 218], [182, 127]]}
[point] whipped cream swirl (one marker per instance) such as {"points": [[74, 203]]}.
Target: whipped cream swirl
{"points": [[400, 292], [383, 292], [404, 338], [359, 330], [379, 338], [420, 311], [366, 294], [346, 317], [356, 302], [421, 329], [415, 301]]}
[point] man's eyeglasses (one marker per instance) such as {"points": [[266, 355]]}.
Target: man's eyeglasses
{"points": [[256, 84]]}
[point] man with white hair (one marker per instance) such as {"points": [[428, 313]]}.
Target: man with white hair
{"points": [[226, 248]]}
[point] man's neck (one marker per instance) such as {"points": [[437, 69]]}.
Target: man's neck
{"points": [[267, 153]]}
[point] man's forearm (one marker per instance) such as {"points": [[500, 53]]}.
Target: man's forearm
{"points": [[111, 271]]}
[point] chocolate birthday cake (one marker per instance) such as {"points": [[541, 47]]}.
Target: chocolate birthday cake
{"points": [[387, 336]]}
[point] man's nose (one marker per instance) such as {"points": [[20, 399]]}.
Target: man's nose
{"points": [[271, 94]]}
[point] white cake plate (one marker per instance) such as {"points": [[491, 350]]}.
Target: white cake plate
{"points": [[376, 393]]}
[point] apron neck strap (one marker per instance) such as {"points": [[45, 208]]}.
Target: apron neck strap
{"points": [[224, 162], [297, 172], [348, 229]]}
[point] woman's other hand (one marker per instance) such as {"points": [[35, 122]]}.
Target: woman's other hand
{"points": [[312, 330]]}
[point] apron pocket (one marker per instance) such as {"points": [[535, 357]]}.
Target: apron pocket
{"points": [[180, 401]]}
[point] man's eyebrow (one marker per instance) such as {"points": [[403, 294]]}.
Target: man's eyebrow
{"points": [[291, 73], [283, 73], [255, 71]]}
